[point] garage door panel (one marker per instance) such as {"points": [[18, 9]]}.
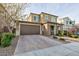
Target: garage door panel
{"points": [[29, 29]]}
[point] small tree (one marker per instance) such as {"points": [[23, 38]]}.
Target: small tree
{"points": [[10, 13]]}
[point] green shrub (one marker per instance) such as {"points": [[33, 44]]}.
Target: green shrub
{"points": [[60, 33], [74, 36], [65, 33], [70, 34], [6, 39]]}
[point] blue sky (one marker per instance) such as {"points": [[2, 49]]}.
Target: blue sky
{"points": [[60, 9]]}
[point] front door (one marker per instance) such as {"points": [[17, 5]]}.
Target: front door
{"points": [[52, 30]]}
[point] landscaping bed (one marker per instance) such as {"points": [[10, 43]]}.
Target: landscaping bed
{"points": [[58, 39], [8, 44], [6, 39], [64, 35], [9, 51]]}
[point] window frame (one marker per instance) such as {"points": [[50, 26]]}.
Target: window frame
{"points": [[53, 19], [36, 18], [47, 17]]}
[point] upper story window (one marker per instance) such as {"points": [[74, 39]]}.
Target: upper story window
{"points": [[36, 18], [46, 17], [66, 22], [53, 19], [73, 23], [70, 22]]}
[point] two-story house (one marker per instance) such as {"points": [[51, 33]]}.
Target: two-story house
{"points": [[43, 23], [67, 23]]}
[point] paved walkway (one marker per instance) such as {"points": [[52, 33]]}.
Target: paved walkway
{"points": [[71, 49], [34, 42]]}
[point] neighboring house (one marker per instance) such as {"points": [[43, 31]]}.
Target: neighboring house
{"points": [[68, 23], [76, 27], [43, 23]]}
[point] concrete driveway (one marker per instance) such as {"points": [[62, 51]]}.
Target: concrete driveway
{"points": [[70, 49], [29, 43]]}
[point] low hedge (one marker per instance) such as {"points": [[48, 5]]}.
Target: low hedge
{"points": [[60, 33], [74, 36], [65, 33], [6, 39]]}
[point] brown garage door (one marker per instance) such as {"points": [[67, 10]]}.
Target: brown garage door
{"points": [[29, 29]]}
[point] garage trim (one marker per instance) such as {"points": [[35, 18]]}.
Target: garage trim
{"points": [[35, 24]]}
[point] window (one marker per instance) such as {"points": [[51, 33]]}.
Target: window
{"points": [[66, 22], [53, 19], [73, 23], [46, 17], [70, 22], [36, 18]]}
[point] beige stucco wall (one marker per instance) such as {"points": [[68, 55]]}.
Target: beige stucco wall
{"points": [[46, 29], [17, 29], [51, 18], [31, 17], [42, 19]]}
